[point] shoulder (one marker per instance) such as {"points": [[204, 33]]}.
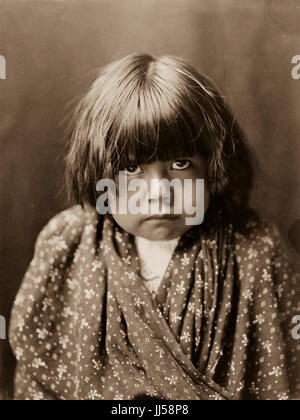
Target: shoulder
{"points": [[57, 247], [64, 231], [55, 253], [259, 236], [261, 251], [69, 223]]}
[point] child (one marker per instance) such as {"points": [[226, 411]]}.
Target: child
{"points": [[132, 306]]}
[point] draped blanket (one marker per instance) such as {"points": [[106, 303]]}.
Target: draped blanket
{"points": [[84, 325]]}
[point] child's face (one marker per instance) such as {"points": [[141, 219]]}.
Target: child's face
{"points": [[150, 226]]}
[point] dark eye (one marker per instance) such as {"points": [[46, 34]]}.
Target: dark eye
{"points": [[133, 170], [181, 164]]}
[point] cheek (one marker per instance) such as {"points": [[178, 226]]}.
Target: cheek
{"points": [[195, 196], [127, 222], [130, 209], [123, 219]]}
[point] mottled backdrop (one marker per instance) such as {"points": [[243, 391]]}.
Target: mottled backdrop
{"points": [[52, 49]]}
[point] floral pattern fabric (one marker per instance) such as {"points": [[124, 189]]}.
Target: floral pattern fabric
{"points": [[85, 327]]}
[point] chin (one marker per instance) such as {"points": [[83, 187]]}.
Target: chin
{"points": [[162, 234]]}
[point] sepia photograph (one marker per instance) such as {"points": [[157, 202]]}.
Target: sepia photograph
{"points": [[150, 202]]}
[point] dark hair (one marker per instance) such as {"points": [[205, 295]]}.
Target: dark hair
{"points": [[142, 109]]}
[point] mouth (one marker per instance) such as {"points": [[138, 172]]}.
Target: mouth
{"points": [[163, 217]]}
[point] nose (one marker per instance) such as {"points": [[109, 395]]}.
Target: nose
{"points": [[158, 191]]}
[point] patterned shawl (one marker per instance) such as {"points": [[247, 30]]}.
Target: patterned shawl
{"points": [[84, 325]]}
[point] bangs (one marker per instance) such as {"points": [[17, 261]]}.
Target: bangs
{"points": [[151, 129], [164, 137]]}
